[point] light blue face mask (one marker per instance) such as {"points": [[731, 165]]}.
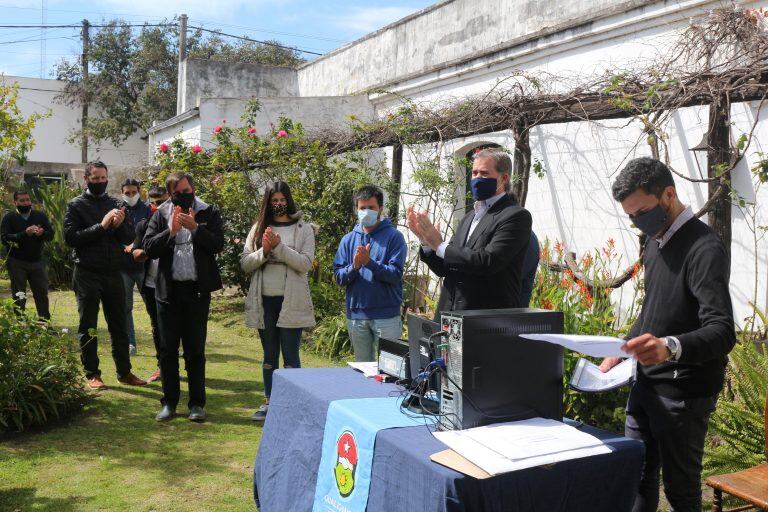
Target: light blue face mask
{"points": [[367, 218]]}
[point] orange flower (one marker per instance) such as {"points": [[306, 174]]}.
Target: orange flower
{"points": [[545, 253], [635, 270], [611, 243], [547, 304], [564, 283], [559, 247], [586, 261]]}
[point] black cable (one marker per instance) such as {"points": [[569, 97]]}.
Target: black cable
{"points": [[268, 43]]}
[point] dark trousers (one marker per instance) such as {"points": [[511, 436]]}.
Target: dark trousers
{"points": [[184, 318], [148, 294], [21, 272], [673, 432], [92, 288], [276, 339]]}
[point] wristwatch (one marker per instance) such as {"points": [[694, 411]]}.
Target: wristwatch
{"points": [[673, 345]]}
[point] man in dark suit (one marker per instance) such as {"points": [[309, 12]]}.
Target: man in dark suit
{"points": [[482, 263]]}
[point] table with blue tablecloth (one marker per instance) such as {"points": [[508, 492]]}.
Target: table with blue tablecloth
{"points": [[403, 478]]}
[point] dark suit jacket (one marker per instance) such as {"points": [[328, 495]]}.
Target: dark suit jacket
{"points": [[484, 272]]}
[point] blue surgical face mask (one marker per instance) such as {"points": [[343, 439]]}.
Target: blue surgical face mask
{"points": [[367, 218], [483, 188]]}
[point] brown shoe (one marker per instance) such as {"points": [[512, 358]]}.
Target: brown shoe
{"points": [[155, 376], [131, 380], [96, 383]]}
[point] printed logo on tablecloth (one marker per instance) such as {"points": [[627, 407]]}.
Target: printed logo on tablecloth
{"points": [[346, 463]]}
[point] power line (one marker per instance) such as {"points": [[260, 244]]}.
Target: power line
{"points": [[289, 34], [268, 43]]}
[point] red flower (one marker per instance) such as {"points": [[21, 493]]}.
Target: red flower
{"points": [[547, 304], [282, 134], [559, 247], [251, 130], [197, 148], [163, 147], [217, 128]]}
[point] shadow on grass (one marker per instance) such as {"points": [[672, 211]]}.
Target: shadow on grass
{"points": [[219, 358], [26, 498]]}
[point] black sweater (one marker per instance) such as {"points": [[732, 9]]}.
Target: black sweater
{"points": [[22, 246], [687, 296]]}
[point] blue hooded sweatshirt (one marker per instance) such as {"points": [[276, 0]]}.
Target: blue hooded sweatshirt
{"points": [[374, 291]]}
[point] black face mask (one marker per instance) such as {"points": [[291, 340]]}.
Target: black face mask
{"points": [[97, 189], [278, 210], [183, 199], [24, 209], [652, 221]]}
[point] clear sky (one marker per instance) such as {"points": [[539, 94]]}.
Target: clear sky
{"points": [[318, 26]]}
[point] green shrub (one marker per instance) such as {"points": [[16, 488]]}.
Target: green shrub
{"points": [[737, 436], [40, 376], [331, 336], [53, 198]]}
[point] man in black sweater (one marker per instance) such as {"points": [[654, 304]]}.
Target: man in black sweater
{"points": [[24, 232], [184, 234], [681, 338], [96, 227]]}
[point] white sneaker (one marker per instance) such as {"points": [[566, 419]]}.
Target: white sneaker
{"points": [[261, 413]]}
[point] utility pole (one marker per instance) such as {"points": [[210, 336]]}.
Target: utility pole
{"points": [[181, 77], [84, 116]]}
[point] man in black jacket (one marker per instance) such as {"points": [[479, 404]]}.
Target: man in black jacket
{"points": [[185, 234], [24, 232], [681, 338], [482, 264], [96, 227]]}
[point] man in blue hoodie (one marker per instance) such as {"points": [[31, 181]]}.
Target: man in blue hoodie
{"points": [[369, 262]]}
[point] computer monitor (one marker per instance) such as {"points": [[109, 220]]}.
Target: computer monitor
{"points": [[420, 346]]}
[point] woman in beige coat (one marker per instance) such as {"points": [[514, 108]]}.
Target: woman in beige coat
{"points": [[279, 252]]}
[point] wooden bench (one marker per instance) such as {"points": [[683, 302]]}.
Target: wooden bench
{"points": [[750, 485]]}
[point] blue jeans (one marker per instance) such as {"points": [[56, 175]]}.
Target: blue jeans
{"points": [[129, 280], [365, 334], [275, 340]]}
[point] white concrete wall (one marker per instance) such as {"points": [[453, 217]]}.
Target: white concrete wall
{"points": [[209, 78], [37, 96]]}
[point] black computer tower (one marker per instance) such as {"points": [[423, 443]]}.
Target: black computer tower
{"points": [[492, 375]]}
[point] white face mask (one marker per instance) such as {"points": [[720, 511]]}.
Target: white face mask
{"points": [[131, 201]]}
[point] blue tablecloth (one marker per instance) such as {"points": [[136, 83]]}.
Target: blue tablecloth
{"points": [[403, 477]]}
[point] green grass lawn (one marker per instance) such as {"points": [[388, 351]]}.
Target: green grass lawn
{"points": [[115, 456]]}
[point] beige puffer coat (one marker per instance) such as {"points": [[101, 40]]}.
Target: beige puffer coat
{"points": [[297, 310]]}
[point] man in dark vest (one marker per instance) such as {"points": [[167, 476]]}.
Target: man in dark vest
{"points": [[482, 264], [24, 232], [681, 338]]}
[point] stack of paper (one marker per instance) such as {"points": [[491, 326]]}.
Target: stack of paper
{"points": [[588, 378], [369, 368], [595, 346], [516, 445]]}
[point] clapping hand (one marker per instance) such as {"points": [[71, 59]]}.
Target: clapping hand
{"points": [[421, 226], [175, 221], [128, 249], [118, 217], [33, 231], [270, 240], [362, 256], [187, 220]]}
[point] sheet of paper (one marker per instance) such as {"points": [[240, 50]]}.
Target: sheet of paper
{"points": [[518, 445], [369, 368], [588, 377], [595, 346]]}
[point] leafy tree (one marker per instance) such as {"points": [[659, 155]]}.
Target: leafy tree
{"points": [[133, 75], [16, 139]]}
